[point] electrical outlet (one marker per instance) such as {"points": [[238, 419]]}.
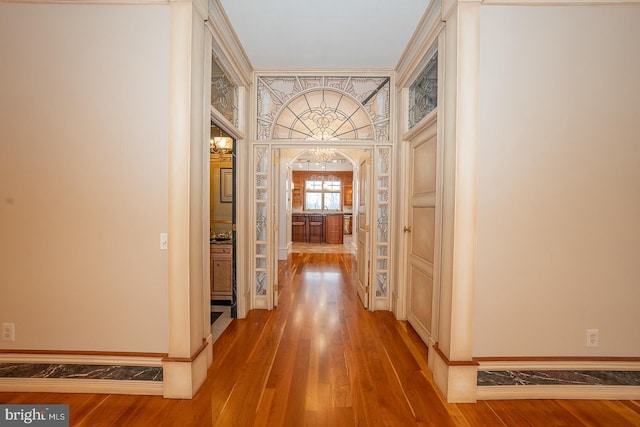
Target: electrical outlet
{"points": [[8, 332], [593, 337]]}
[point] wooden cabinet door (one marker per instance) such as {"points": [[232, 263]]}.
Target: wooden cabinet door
{"points": [[221, 278], [333, 229], [348, 195]]}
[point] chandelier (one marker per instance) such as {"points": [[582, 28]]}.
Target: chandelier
{"points": [[322, 155], [220, 145], [219, 142]]}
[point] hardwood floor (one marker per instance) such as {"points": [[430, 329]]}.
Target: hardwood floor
{"points": [[320, 359]]}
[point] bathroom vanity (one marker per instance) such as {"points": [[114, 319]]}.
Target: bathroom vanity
{"points": [[220, 259]]}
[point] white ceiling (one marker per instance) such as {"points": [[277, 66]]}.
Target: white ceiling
{"points": [[326, 34]]}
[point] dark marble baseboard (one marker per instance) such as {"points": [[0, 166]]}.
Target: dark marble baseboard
{"points": [[553, 377], [77, 371]]}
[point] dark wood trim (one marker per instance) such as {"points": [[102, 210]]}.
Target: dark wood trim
{"points": [[84, 353], [448, 362], [193, 357], [556, 359]]}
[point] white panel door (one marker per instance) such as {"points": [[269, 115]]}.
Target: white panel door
{"points": [[421, 231], [363, 230]]}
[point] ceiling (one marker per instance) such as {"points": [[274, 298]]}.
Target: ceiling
{"points": [[325, 34]]}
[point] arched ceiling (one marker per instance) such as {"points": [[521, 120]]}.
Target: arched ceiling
{"points": [[325, 34]]}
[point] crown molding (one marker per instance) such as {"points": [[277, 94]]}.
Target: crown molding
{"points": [[227, 46], [421, 43]]}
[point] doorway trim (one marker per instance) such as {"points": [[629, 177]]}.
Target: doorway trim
{"points": [[265, 162]]}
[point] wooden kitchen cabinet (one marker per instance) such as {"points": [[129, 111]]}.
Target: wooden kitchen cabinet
{"points": [[221, 277], [348, 194], [297, 193], [334, 224]]}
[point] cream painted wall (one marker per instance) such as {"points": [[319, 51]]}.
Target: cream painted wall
{"points": [[559, 182], [83, 176]]}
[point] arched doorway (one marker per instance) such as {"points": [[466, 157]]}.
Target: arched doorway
{"points": [[304, 112], [317, 183]]}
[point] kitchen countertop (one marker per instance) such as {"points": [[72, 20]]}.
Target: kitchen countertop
{"points": [[220, 242]]}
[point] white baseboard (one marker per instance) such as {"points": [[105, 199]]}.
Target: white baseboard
{"points": [[260, 302], [586, 392], [80, 359], [68, 385], [382, 304], [556, 365], [283, 253], [558, 391]]}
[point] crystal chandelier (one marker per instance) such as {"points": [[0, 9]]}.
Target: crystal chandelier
{"points": [[322, 155], [220, 145]]}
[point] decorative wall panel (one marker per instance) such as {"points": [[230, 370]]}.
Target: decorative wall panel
{"points": [[423, 92], [323, 108], [224, 93], [383, 189], [261, 169]]}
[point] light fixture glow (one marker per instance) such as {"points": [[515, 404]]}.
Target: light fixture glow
{"points": [[322, 155], [221, 145]]}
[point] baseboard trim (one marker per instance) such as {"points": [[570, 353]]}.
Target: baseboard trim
{"points": [[586, 392], [80, 372], [190, 359], [260, 302], [65, 385], [382, 304], [601, 378], [82, 353], [78, 358]]}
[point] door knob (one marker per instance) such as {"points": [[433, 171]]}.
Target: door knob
{"points": [[407, 229]]}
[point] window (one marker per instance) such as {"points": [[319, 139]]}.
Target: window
{"points": [[324, 108], [322, 193], [423, 93]]}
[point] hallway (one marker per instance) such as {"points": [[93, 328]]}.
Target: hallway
{"points": [[320, 359]]}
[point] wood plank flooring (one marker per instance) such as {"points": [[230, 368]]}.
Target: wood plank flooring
{"points": [[320, 359]]}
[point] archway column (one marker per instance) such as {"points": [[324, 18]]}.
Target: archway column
{"points": [[451, 362], [185, 367]]}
